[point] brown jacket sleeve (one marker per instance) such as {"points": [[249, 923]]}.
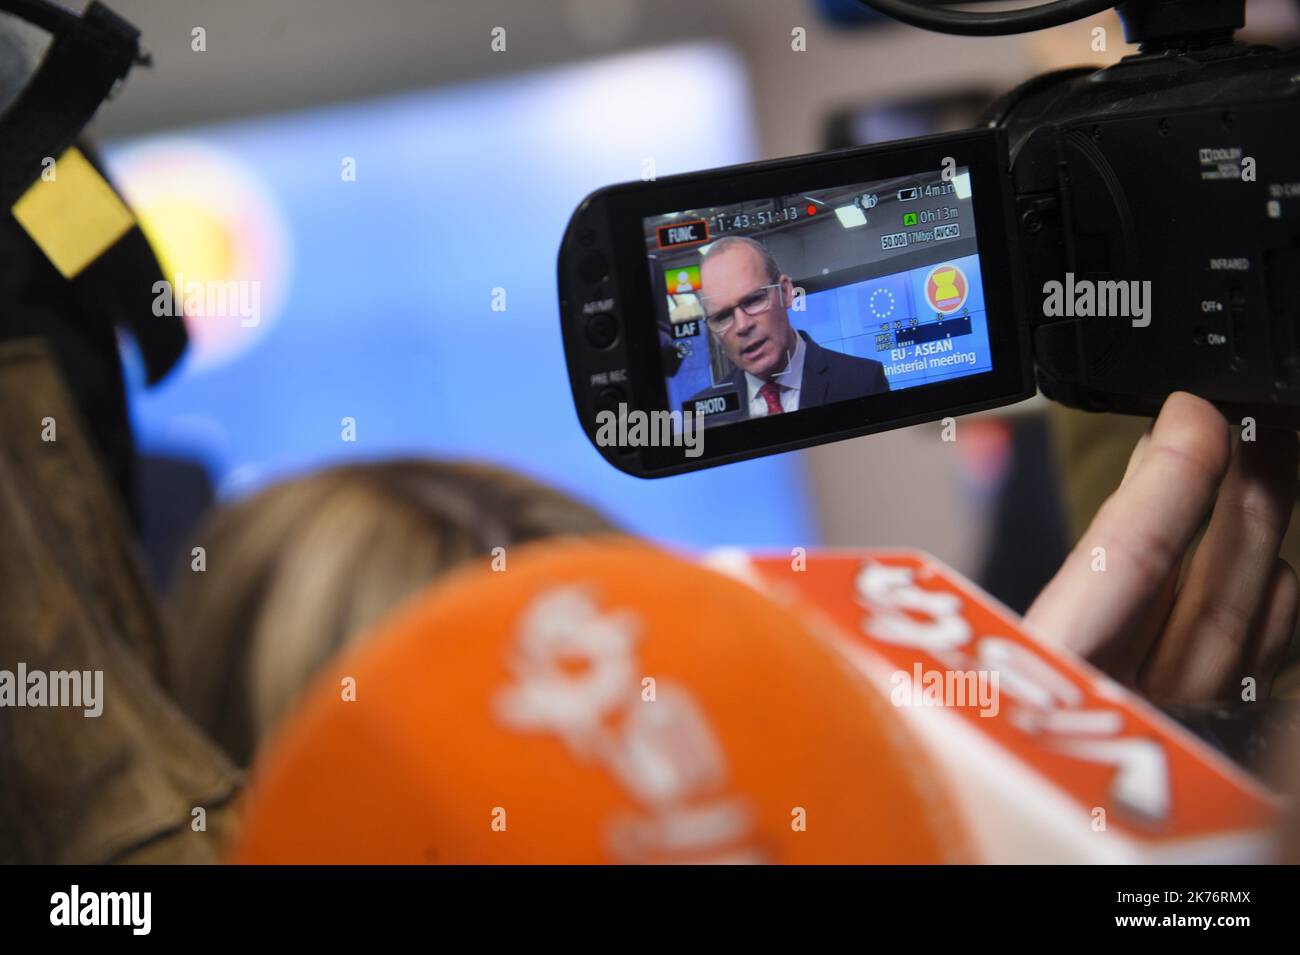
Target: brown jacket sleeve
{"points": [[125, 785]]}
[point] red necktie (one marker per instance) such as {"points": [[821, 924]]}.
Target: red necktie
{"points": [[771, 392]]}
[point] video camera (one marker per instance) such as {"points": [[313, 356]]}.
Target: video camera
{"points": [[1107, 236]]}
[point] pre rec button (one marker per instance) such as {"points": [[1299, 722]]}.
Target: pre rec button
{"points": [[609, 398], [602, 330]]}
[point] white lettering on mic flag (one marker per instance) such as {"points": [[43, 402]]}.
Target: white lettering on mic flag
{"points": [[1141, 771], [1044, 702], [890, 591], [660, 749]]}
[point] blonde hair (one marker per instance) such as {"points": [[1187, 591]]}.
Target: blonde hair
{"points": [[301, 569]]}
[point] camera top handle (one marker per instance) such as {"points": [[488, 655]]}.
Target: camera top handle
{"points": [[1155, 24], [931, 15]]}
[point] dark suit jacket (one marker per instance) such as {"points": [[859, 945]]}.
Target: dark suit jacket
{"points": [[828, 376]]}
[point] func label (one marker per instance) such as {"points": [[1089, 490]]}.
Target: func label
{"points": [[682, 233]]}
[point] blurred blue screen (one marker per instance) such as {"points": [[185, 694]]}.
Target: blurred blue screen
{"points": [[380, 235]]}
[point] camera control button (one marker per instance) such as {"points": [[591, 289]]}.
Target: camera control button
{"points": [[602, 330], [593, 268], [609, 399]]}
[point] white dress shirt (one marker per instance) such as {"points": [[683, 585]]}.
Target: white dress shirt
{"points": [[789, 382]]}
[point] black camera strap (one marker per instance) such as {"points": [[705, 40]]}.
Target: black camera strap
{"points": [[79, 316], [88, 56]]}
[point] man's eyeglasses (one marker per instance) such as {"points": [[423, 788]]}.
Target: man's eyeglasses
{"points": [[754, 304]]}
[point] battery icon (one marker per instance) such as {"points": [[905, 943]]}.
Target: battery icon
{"points": [[906, 195]]}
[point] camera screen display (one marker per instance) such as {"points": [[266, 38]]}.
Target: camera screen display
{"points": [[797, 301]]}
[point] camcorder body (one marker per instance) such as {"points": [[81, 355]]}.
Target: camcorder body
{"points": [[1107, 237], [1182, 172]]}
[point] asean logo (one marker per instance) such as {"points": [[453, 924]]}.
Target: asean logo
{"points": [[945, 288]]}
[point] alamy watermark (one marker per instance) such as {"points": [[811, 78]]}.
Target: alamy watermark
{"points": [[75, 688], [650, 429], [233, 298], [133, 910], [1085, 298], [949, 688]]}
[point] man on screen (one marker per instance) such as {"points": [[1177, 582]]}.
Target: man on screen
{"points": [[778, 369]]}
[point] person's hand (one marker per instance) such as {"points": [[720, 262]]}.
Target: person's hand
{"points": [[1232, 615]]}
